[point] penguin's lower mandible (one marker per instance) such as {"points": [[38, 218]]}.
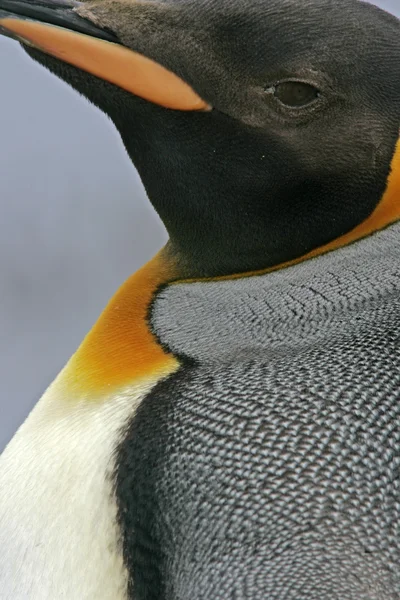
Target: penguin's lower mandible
{"points": [[230, 427]]}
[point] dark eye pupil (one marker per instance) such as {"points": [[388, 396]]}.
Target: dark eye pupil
{"points": [[295, 93]]}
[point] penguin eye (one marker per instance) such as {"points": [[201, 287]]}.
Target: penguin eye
{"points": [[295, 93]]}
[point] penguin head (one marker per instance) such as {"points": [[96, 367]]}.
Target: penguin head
{"points": [[262, 130]]}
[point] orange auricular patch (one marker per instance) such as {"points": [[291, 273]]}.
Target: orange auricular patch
{"points": [[386, 213], [114, 63], [121, 348]]}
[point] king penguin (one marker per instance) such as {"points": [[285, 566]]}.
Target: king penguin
{"points": [[230, 427]]}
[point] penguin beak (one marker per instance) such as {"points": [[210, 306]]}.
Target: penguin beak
{"points": [[53, 27]]}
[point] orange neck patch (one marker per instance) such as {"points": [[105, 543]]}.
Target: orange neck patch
{"points": [[121, 348]]}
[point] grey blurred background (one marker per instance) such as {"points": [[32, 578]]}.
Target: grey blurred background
{"points": [[74, 224]]}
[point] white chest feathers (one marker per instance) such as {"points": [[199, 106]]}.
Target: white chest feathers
{"points": [[58, 533]]}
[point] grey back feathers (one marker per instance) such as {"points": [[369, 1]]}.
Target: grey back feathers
{"points": [[268, 467]]}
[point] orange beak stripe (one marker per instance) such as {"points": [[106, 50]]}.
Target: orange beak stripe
{"points": [[125, 68]]}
